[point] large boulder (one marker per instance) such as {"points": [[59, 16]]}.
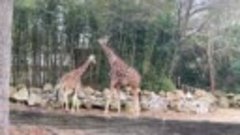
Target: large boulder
{"points": [[175, 95], [129, 106], [21, 95], [99, 102], [154, 102], [89, 101], [20, 86], [183, 106], [200, 93], [107, 93], [175, 98], [192, 106], [48, 87], [198, 102], [162, 93], [36, 99], [35, 90], [219, 94], [98, 93], [206, 104], [88, 90], [235, 101], [204, 96], [223, 102]]}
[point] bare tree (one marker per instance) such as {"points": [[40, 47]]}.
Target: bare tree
{"points": [[222, 16], [6, 10], [211, 65], [191, 19]]}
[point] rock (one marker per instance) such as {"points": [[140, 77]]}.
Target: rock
{"points": [[82, 95], [12, 90], [206, 103], [219, 94], [20, 86], [144, 103], [223, 102], [180, 106], [230, 96], [128, 106], [191, 106], [114, 105], [162, 93], [154, 102], [188, 106], [179, 94], [87, 104], [20, 95], [48, 87], [175, 95], [189, 96], [99, 103], [35, 99], [145, 93], [89, 101], [35, 90], [200, 107], [145, 97], [107, 93], [158, 103], [235, 101], [200, 93], [209, 98], [98, 93], [88, 90]]}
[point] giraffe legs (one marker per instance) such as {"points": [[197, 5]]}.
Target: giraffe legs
{"points": [[75, 103], [136, 102], [75, 100], [65, 101], [114, 95], [118, 101], [108, 101]]}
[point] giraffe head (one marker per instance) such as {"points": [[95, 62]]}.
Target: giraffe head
{"points": [[103, 40], [92, 59]]}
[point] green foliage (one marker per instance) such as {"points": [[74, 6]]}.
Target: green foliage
{"points": [[167, 84], [144, 34]]}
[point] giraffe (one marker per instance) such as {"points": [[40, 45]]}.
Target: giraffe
{"points": [[70, 84], [121, 74]]}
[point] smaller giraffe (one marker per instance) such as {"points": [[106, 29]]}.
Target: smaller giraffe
{"points": [[121, 74], [70, 84]]}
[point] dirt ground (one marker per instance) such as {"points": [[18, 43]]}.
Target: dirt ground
{"points": [[37, 121]]}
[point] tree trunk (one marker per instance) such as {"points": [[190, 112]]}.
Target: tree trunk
{"points": [[211, 67], [6, 11]]}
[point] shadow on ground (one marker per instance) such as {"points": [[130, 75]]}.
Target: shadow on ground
{"points": [[123, 126]]}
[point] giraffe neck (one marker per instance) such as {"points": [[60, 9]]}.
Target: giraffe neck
{"points": [[82, 69], [111, 56]]}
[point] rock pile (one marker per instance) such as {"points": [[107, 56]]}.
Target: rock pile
{"points": [[198, 101], [32, 96], [152, 101], [226, 100]]}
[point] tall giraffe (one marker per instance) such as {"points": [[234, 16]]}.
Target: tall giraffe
{"points": [[70, 83], [121, 74]]}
